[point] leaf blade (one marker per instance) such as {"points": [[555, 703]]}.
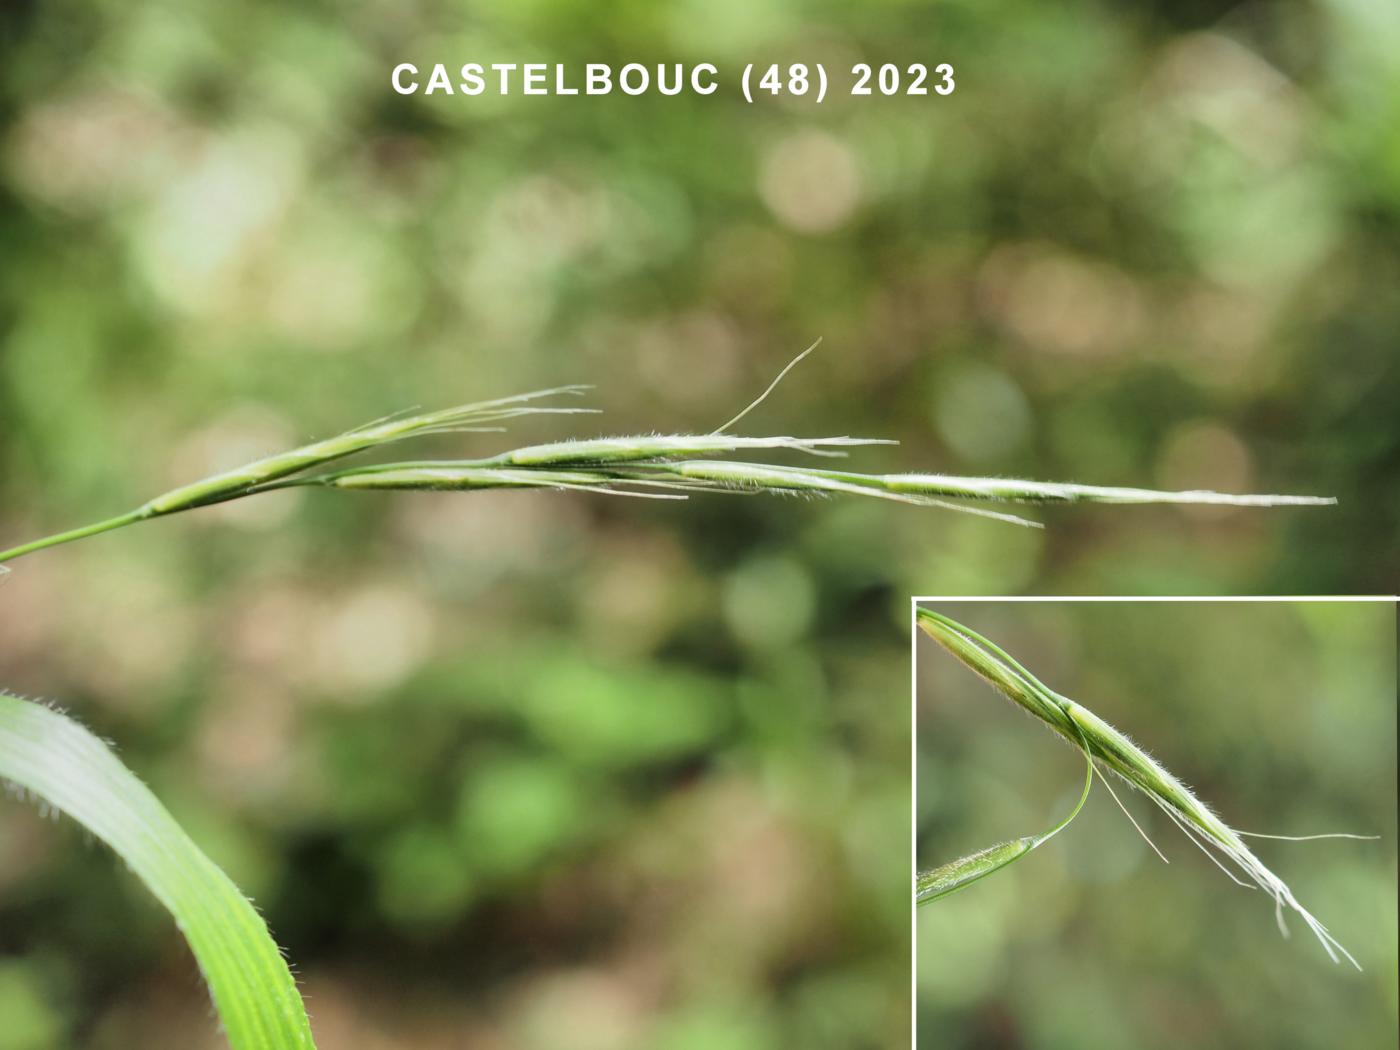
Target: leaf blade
{"points": [[55, 758]]}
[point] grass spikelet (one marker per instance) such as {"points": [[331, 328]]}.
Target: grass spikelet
{"points": [[1112, 750], [669, 446], [959, 874], [1012, 490], [473, 418], [264, 473]]}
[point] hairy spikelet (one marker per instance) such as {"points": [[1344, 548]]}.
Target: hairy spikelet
{"points": [[1111, 750], [959, 874]]}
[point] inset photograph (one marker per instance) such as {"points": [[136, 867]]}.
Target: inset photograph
{"points": [[1155, 823]]}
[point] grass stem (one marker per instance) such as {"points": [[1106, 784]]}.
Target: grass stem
{"points": [[58, 539]]}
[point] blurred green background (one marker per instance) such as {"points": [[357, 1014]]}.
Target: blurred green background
{"points": [[1281, 716], [531, 771]]}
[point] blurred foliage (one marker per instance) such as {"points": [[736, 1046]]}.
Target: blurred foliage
{"points": [[538, 770], [1281, 716]]}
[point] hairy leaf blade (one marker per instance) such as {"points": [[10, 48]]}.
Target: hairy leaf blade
{"points": [[53, 757]]}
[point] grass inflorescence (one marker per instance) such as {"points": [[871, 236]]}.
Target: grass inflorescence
{"points": [[658, 466], [1110, 750]]}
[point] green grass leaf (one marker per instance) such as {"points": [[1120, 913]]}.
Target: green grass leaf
{"points": [[58, 760]]}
